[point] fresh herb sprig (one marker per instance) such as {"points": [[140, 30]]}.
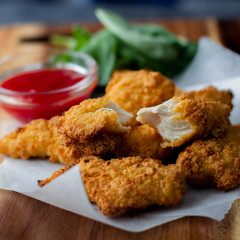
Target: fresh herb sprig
{"points": [[122, 45]]}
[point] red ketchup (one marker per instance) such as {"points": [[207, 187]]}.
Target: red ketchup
{"points": [[41, 93]]}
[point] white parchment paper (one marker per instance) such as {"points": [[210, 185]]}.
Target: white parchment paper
{"points": [[213, 65]]}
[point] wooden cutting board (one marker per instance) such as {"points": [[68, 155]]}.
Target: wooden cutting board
{"points": [[26, 218]]}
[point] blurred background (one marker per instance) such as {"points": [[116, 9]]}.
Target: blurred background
{"points": [[14, 11]]}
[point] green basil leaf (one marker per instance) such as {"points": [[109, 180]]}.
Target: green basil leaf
{"points": [[102, 47], [81, 37], [159, 46]]}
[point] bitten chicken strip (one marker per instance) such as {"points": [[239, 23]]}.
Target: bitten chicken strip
{"points": [[40, 138], [119, 185], [99, 121], [133, 90], [143, 141], [214, 162], [180, 120], [209, 93]]}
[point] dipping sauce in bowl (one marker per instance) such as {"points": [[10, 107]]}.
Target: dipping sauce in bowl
{"points": [[44, 89]]}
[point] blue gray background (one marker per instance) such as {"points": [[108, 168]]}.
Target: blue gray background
{"points": [[52, 11]]}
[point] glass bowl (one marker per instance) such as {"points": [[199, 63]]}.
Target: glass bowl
{"points": [[28, 105]]}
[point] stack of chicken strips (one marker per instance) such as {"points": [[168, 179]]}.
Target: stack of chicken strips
{"points": [[137, 145]]}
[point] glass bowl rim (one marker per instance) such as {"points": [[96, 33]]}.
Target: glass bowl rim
{"points": [[92, 70]]}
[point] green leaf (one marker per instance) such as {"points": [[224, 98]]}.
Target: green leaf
{"points": [[155, 30], [154, 46], [132, 59], [81, 37], [123, 45], [102, 47]]}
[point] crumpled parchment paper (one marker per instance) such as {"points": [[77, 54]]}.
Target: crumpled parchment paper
{"points": [[212, 65]]}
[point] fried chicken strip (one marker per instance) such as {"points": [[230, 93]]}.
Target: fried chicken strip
{"points": [[98, 121], [99, 133], [143, 141], [39, 139], [31, 140], [180, 119], [214, 162], [133, 90], [119, 185], [209, 93]]}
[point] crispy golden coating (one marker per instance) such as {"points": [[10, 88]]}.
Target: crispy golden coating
{"points": [[104, 146], [31, 140], [180, 119], [205, 117], [212, 94], [39, 139], [119, 185], [213, 162], [86, 129], [69, 153], [57, 151], [143, 141], [91, 121], [133, 90]]}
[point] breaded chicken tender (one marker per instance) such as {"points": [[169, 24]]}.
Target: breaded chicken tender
{"points": [[180, 119], [99, 133], [133, 90], [119, 185], [212, 94], [214, 162], [98, 121], [39, 139], [143, 141], [31, 140]]}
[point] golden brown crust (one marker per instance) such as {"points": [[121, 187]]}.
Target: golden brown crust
{"points": [[89, 121], [83, 130], [143, 141], [91, 128], [31, 140], [210, 93], [213, 162], [119, 185], [103, 146], [133, 90], [206, 118], [57, 151], [39, 139]]}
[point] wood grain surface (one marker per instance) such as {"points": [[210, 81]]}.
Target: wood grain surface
{"points": [[26, 218]]}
